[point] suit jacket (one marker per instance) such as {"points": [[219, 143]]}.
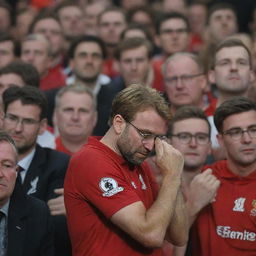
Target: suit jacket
{"points": [[46, 173], [30, 229]]}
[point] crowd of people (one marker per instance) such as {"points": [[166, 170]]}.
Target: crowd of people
{"points": [[126, 127]]}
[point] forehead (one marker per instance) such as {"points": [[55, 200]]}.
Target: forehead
{"points": [[6, 44], [223, 12], [191, 125], [243, 120], [34, 44], [75, 99], [70, 10], [112, 16], [88, 47], [182, 65], [27, 110], [134, 52], [174, 23], [47, 24], [134, 32], [11, 78], [232, 52], [7, 151]]}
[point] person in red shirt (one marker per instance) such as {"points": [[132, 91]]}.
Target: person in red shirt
{"points": [[112, 201], [221, 198], [75, 116]]}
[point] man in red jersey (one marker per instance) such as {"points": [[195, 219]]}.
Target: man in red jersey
{"points": [[222, 198], [113, 204]]}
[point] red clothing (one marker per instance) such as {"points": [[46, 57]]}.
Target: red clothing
{"points": [[54, 79], [158, 82], [98, 184], [228, 225], [110, 68], [60, 147], [210, 110]]}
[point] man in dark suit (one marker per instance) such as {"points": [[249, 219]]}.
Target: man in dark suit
{"points": [[43, 169], [25, 224]]}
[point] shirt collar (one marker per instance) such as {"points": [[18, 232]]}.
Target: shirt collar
{"points": [[26, 161]]}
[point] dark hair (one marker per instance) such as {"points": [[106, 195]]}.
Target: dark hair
{"points": [[9, 9], [42, 16], [230, 107], [112, 9], [136, 98], [4, 37], [28, 95], [137, 26], [220, 6], [132, 43], [168, 16], [227, 43], [64, 4], [187, 112], [26, 71], [85, 39], [146, 9]]}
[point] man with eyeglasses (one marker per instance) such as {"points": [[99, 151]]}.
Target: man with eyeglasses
{"points": [[232, 73], [113, 204], [185, 81], [43, 169], [225, 207]]}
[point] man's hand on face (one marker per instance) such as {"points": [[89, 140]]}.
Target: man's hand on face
{"points": [[168, 159]]}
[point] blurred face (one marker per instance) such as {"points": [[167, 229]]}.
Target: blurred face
{"points": [[134, 65], [232, 72], [184, 82], [5, 20], [143, 18], [72, 21], [194, 153], [222, 24], [241, 153], [197, 15], [87, 61], [130, 143], [36, 53], [174, 36], [6, 53], [75, 116], [51, 29], [23, 123], [8, 171], [92, 12], [111, 26], [22, 23], [134, 33], [7, 80]]}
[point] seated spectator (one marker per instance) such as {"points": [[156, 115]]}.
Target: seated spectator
{"points": [[25, 225], [75, 116]]}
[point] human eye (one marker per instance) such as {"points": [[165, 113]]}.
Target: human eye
{"points": [[234, 132], [202, 137], [171, 80], [7, 165], [12, 117], [252, 130], [29, 121], [243, 62], [184, 136], [223, 63]]}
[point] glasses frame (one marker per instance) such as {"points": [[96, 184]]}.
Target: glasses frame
{"points": [[174, 80], [147, 136], [240, 133], [190, 137], [24, 121]]}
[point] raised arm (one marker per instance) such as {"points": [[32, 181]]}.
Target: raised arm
{"points": [[149, 226]]}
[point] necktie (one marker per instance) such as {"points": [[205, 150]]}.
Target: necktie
{"points": [[3, 237], [20, 170]]}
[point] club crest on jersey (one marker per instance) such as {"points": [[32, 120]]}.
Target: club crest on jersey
{"points": [[253, 210], [109, 186], [239, 204]]}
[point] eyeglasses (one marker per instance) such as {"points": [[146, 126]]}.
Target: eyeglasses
{"points": [[147, 136], [14, 120], [186, 137], [236, 133], [185, 79]]}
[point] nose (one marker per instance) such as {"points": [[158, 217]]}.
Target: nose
{"points": [[246, 137], [19, 126], [149, 144], [179, 83], [133, 64], [75, 115], [233, 66], [193, 142]]}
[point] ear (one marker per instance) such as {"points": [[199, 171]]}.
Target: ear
{"points": [[95, 118], [220, 140], [252, 76], [203, 82], [43, 126], [211, 76], [118, 124]]}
